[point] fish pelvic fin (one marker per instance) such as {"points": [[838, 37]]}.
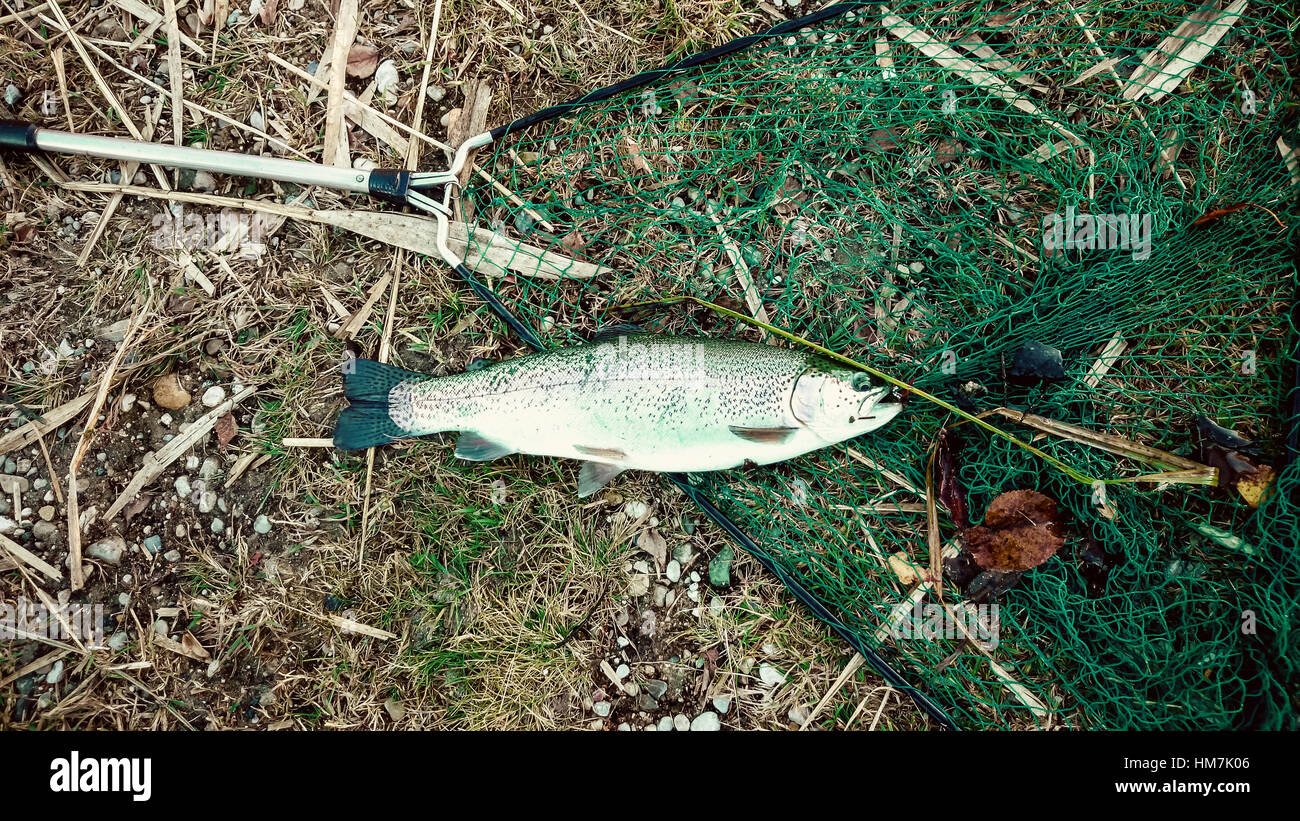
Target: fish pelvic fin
{"points": [[472, 447], [366, 421], [595, 475]]}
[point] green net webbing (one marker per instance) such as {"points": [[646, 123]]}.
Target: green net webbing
{"points": [[883, 182]]}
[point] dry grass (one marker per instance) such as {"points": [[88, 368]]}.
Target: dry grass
{"points": [[501, 610]]}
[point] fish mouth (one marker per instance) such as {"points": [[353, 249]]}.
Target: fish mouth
{"points": [[875, 412]]}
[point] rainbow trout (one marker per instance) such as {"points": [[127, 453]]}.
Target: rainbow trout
{"points": [[637, 402]]}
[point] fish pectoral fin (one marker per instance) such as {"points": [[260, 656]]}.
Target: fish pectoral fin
{"points": [[764, 436], [475, 448], [595, 475], [608, 454]]}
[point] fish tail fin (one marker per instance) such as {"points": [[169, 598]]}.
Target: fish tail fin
{"points": [[366, 421]]}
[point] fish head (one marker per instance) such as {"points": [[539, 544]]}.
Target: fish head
{"points": [[838, 403]]}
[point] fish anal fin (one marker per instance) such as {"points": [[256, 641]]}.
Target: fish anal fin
{"points": [[475, 448], [607, 454], [595, 475], [763, 436]]}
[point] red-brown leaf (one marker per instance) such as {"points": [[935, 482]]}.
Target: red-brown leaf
{"points": [[267, 13], [362, 61], [226, 429], [1022, 529], [951, 493]]}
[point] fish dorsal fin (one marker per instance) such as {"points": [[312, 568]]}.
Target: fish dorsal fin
{"points": [[612, 332], [595, 475], [763, 436], [475, 448]]}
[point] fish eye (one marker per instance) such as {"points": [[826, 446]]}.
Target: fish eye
{"points": [[860, 381]]}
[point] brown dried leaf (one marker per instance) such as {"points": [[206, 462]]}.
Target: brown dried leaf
{"points": [[882, 139], [1022, 529], [362, 61], [1236, 471], [226, 429], [575, 240], [1254, 486], [653, 543], [267, 14], [948, 151], [630, 151], [137, 507], [951, 494], [192, 648]]}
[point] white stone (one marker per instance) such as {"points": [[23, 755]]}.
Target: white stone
{"points": [[214, 396], [707, 721]]}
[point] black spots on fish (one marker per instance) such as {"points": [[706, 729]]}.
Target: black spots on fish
{"points": [[601, 453], [475, 448], [763, 436]]}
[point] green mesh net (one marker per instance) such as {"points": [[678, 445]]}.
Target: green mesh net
{"points": [[882, 182]]}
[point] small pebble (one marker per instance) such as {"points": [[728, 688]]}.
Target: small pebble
{"points": [[108, 550], [47, 513], [56, 673], [601, 708], [172, 556], [707, 721], [665, 724], [183, 488], [211, 467], [153, 544], [214, 396], [673, 571], [722, 704], [262, 525], [681, 723], [770, 675], [218, 526]]}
